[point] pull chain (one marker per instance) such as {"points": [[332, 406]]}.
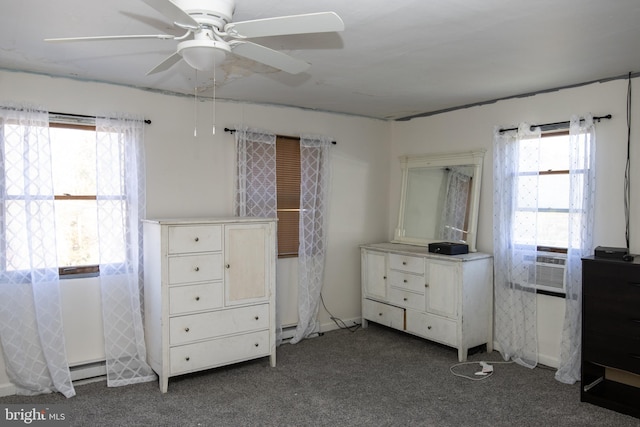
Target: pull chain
{"points": [[195, 106], [214, 95]]}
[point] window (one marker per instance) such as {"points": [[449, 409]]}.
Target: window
{"points": [[288, 195], [73, 155], [551, 181]]}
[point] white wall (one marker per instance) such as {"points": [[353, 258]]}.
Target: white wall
{"points": [[189, 176], [473, 127]]}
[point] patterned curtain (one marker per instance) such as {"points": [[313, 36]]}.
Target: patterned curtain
{"points": [[256, 186], [30, 315], [256, 173], [582, 186], [121, 207], [454, 212], [314, 199], [515, 204]]}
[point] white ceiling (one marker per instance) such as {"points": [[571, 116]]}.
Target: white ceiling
{"points": [[395, 59]]}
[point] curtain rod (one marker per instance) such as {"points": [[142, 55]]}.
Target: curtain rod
{"points": [[232, 131], [556, 125], [83, 116]]}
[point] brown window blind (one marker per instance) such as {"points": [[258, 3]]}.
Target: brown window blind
{"points": [[288, 187]]}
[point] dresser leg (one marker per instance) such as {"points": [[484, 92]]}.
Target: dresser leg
{"points": [[164, 383], [365, 323], [272, 359], [462, 354]]}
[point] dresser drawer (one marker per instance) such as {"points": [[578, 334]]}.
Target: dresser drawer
{"points": [[613, 351], [384, 314], [195, 268], [432, 327], [411, 264], [221, 351], [411, 282], [619, 281], [184, 329], [406, 299], [195, 238], [186, 299], [611, 316]]}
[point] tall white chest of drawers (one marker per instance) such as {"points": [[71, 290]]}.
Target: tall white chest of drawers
{"points": [[209, 293], [443, 298]]}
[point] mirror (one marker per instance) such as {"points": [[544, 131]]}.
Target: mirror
{"points": [[440, 198]]}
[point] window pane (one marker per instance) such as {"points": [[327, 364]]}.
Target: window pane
{"points": [[553, 192], [76, 229], [74, 161], [554, 153], [553, 229]]}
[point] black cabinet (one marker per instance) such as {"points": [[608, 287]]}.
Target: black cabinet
{"points": [[611, 333]]}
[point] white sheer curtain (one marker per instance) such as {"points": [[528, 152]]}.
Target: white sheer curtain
{"points": [[256, 173], [314, 198], [30, 316], [582, 146], [516, 177], [121, 206], [515, 198], [454, 212], [256, 186]]}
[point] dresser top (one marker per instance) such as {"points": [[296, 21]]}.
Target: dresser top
{"points": [[401, 248], [207, 220]]}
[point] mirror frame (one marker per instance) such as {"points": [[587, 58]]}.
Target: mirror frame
{"points": [[473, 158]]}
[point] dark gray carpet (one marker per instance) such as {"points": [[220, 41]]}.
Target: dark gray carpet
{"points": [[371, 377]]}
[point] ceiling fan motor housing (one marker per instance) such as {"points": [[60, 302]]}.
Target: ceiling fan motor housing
{"points": [[216, 13]]}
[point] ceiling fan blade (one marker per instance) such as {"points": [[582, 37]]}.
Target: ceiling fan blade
{"points": [[93, 38], [166, 64], [321, 22], [267, 56], [172, 11]]}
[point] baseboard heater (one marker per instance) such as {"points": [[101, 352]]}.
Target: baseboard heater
{"points": [[288, 332], [88, 370]]}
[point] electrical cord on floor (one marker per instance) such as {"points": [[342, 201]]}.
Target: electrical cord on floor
{"points": [[341, 324], [485, 372]]}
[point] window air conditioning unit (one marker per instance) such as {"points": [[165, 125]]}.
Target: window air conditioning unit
{"points": [[548, 272]]}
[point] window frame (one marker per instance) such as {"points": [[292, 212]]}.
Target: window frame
{"points": [[547, 248], [75, 271], [543, 250]]}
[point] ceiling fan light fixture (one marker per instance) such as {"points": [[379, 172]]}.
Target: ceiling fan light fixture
{"points": [[203, 55]]}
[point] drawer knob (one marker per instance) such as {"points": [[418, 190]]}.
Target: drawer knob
{"points": [[429, 327], [228, 266], [197, 269], [187, 358], [404, 262], [379, 314], [426, 285], [197, 239], [257, 317], [405, 280], [186, 329], [384, 277], [257, 345], [197, 298], [404, 299]]}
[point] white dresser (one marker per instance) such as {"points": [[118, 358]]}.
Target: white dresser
{"points": [[443, 298], [209, 293]]}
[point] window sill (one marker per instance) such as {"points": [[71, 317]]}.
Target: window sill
{"points": [[79, 272], [551, 293]]}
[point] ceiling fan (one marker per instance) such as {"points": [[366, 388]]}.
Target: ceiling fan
{"points": [[210, 34]]}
